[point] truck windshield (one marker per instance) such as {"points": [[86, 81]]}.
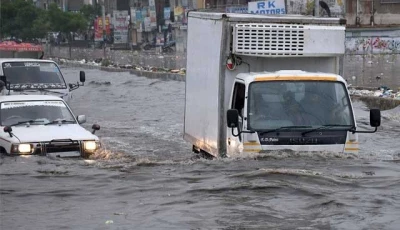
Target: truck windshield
{"points": [[275, 104], [34, 112], [31, 75]]}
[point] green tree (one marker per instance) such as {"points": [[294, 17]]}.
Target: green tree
{"points": [[41, 25], [19, 19], [90, 12], [66, 22]]}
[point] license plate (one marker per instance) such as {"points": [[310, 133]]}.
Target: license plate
{"points": [[65, 154]]}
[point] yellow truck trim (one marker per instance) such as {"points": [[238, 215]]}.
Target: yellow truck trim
{"points": [[296, 78]]}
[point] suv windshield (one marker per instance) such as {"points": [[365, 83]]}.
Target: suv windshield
{"points": [[34, 112], [310, 104], [32, 75]]}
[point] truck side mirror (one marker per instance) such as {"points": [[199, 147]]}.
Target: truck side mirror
{"points": [[375, 117], [82, 76], [374, 121], [232, 118]]}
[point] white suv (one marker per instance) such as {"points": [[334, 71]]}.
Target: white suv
{"points": [[43, 125], [36, 76]]}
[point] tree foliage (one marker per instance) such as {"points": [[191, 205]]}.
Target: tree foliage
{"points": [[18, 18], [91, 12], [21, 19]]}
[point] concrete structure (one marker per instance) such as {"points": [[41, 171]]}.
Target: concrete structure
{"points": [[373, 12], [366, 41]]}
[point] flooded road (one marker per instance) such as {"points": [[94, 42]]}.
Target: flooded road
{"points": [[147, 177]]}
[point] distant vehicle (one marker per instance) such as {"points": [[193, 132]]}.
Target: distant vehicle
{"points": [[262, 83], [43, 125], [36, 76]]}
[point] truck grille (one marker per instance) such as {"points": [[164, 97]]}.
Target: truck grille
{"points": [[52, 148], [269, 39], [57, 146]]}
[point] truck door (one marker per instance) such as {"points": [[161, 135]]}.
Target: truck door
{"points": [[237, 102]]}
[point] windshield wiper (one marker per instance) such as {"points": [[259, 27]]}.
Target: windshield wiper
{"points": [[23, 122], [325, 127], [284, 127], [42, 90], [50, 91], [59, 121]]}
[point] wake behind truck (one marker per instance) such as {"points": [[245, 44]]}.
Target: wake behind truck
{"points": [[257, 83]]}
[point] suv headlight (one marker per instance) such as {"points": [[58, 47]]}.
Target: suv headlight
{"points": [[22, 148], [91, 146]]}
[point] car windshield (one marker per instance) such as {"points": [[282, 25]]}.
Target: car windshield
{"points": [[306, 104], [34, 112], [27, 75]]}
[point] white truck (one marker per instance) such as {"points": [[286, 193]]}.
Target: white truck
{"points": [[43, 125], [36, 76], [257, 83]]}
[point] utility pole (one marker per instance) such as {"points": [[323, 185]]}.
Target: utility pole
{"points": [[104, 28], [316, 8]]}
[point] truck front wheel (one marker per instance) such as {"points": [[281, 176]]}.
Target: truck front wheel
{"points": [[201, 153]]}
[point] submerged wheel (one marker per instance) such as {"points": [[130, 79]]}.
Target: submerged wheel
{"points": [[3, 151], [206, 155], [201, 153]]}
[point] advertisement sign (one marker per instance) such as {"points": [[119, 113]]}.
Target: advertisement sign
{"points": [[237, 9], [153, 15], [19, 47], [267, 7], [98, 28], [178, 11], [167, 13], [136, 18], [121, 26], [147, 24]]}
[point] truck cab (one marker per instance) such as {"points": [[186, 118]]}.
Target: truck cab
{"points": [[263, 83], [291, 110], [36, 76]]}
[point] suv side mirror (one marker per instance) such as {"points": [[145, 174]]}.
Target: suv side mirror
{"points": [[8, 129], [2, 84], [232, 118], [82, 79], [81, 119], [5, 83], [375, 117], [95, 127], [82, 76]]}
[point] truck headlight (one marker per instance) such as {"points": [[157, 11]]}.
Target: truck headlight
{"points": [[22, 148], [91, 145]]}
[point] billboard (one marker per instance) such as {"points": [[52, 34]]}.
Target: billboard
{"points": [[267, 7], [98, 28], [121, 26]]}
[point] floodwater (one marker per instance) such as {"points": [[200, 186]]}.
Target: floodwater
{"points": [[147, 177]]}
